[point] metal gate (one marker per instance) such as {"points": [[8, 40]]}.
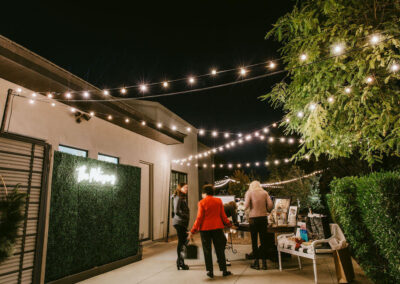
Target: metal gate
{"points": [[25, 161]]}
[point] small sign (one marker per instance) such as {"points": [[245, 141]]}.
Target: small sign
{"points": [[94, 175]]}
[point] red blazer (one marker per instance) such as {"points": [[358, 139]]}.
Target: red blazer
{"points": [[210, 215]]}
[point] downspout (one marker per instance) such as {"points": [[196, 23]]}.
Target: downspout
{"points": [[6, 109]]}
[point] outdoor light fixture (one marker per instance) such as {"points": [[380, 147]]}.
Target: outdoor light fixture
{"points": [[271, 139], [34, 95], [91, 113], [274, 125], [300, 114], [191, 80], [239, 165], [143, 123], [173, 127], [347, 90], [243, 71], [395, 67], [49, 95], [127, 120], [110, 117], [86, 94], [123, 91], [68, 95], [240, 141], [266, 163], [291, 140], [303, 57], [370, 79], [226, 135], [214, 133], [214, 72], [201, 132], [266, 130], [188, 129], [331, 99], [165, 84], [106, 93], [159, 125], [240, 134]]}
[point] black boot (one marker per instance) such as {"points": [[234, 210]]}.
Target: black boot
{"points": [[256, 265], [180, 264], [264, 264], [210, 274]]}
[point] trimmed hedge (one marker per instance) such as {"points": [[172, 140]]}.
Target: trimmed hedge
{"points": [[91, 224], [368, 210]]}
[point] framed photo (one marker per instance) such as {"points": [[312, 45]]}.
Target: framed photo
{"points": [[282, 204], [292, 215]]}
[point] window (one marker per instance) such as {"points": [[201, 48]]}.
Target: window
{"points": [[106, 158], [73, 151], [177, 178]]}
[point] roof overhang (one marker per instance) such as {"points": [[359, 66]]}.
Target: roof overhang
{"points": [[31, 71]]}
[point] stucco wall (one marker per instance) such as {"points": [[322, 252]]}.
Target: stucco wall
{"points": [[57, 126]]}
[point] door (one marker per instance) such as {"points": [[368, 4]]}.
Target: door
{"points": [[146, 202], [25, 162]]}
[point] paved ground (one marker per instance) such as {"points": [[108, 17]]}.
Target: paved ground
{"points": [[158, 266]]}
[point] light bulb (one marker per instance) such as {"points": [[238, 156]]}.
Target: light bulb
{"points": [[338, 49], [257, 134], [143, 88], [127, 120], [282, 139], [257, 164], [213, 165], [370, 79], [375, 39], [214, 133], [50, 95], [204, 165], [239, 165], [201, 132], [214, 72], [243, 71], [226, 135], [240, 141], [312, 106], [221, 165], [266, 130], [272, 65], [291, 140], [274, 125], [34, 95], [53, 104], [286, 160], [300, 114], [106, 92], [347, 90], [73, 109], [159, 125], [165, 84], [86, 94], [230, 166], [123, 91], [303, 57], [68, 95], [271, 139], [221, 149], [287, 119], [143, 123], [91, 113], [188, 129], [266, 163], [31, 101], [247, 164], [19, 90], [331, 99], [191, 80], [395, 67], [240, 134], [110, 117], [276, 162], [173, 127], [248, 137]]}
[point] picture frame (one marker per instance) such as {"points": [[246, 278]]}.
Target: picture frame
{"points": [[292, 215], [282, 203]]}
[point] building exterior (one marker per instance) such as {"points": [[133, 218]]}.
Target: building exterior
{"points": [[38, 123]]}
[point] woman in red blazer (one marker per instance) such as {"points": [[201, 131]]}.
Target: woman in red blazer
{"points": [[210, 221]]}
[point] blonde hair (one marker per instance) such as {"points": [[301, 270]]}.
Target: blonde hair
{"points": [[255, 185]]}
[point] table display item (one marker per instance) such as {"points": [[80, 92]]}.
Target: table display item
{"points": [[292, 216], [318, 226]]}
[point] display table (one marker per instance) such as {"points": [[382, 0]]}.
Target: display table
{"points": [[270, 229]]}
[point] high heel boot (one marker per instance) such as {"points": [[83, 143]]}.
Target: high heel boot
{"points": [[256, 264], [264, 264]]}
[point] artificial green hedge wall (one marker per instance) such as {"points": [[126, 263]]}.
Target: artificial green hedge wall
{"points": [[368, 210], [91, 224]]}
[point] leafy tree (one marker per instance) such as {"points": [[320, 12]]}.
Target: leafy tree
{"points": [[240, 187], [328, 99]]}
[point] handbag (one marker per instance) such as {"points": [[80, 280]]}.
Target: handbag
{"points": [[191, 251]]}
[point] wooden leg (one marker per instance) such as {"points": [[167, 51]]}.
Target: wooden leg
{"points": [[280, 260], [315, 270], [298, 258]]}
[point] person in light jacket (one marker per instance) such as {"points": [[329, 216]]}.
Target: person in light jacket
{"points": [[180, 221], [259, 203]]}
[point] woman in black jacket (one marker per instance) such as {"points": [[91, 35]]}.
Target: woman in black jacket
{"points": [[180, 221]]}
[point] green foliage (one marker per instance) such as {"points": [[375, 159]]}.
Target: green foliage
{"points": [[366, 121], [91, 224], [239, 189], [314, 198], [367, 209], [11, 215]]}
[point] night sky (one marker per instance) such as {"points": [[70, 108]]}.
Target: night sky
{"points": [[117, 43]]}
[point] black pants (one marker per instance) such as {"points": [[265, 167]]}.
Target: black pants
{"points": [[182, 238], [217, 237], [258, 227]]}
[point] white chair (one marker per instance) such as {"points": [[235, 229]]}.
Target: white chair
{"points": [[310, 251]]}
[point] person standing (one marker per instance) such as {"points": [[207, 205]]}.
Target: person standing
{"points": [[211, 220], [259, 203], [180, 221]]}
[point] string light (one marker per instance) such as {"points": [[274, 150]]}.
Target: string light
{"points": [[106, 92], [165, 84], [34, 95], [50, 95], [226, 135], [272, 65], [369, 79], [266, 130], [109, 117], [331, 99], [300, 114], [214, 72], [159, 124], [240, 134], [86, 94], [123, 91], [68, 95], [395, 67], [31, 101], [91, 113], [274, 124], [53, 104], [243, 71], [19, 90], [214, 133], [347, 90], [173, 127], [127, 120], [201, 132], [188, 129], [312, 106], [143, 88], [191, 80], [271, 139], [143, 123], [338, 49], [303, 57], [375, 39], [73, 109]]}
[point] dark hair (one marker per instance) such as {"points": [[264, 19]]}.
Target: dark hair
{"points": [[178, 191], [208, 189]]}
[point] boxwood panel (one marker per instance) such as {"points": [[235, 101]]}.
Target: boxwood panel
{"points": [[91, 224]]}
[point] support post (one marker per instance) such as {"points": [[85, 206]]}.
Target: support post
{"points": [[6, 109]]}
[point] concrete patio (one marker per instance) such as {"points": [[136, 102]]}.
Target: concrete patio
{"points": [[158, 266]]}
